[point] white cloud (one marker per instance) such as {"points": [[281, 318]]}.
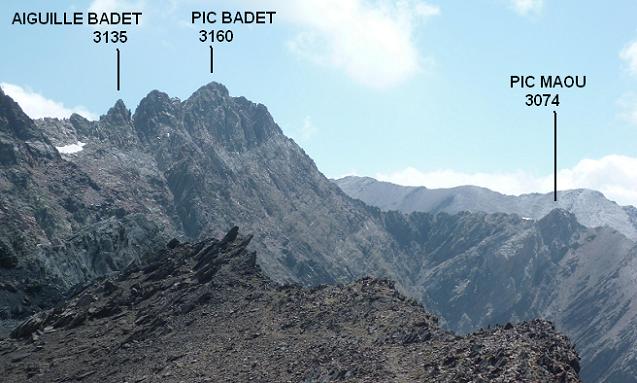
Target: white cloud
{"points": [[628, 108], [526, 7], [371, 41], [37, 106], [613, 175], [629, 55]]}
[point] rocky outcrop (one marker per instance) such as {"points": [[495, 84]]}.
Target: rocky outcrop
{"points": [[59, 227], [205, 312], [480, 269]]}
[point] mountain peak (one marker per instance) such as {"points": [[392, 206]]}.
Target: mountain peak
{"points": [[561, 216], [235, 122], [155, 95], [15, 122], [559, 225], [210, 91], [118, 114], [77, 117], [154, 102], [155, 112]]}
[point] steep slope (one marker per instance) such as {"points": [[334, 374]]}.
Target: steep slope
{"points": [[481, 269], [58, 226], [204, 312], [213, 161], [590, 207]]}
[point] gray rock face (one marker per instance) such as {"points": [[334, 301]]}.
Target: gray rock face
{"points": [[58, 226], [590, 207], [190, 167], [478, 269], [214, 161], [205, 312]]}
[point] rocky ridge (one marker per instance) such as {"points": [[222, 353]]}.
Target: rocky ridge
{"points": [[58, 227], [204, 312], [590, 207]]}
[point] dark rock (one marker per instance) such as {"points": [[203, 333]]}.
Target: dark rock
{"points": [[8, 259], [241, 327], [173, 243]]}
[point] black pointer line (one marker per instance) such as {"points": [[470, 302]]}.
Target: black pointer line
{"points": [[555, 156], [212, 58], [117, 50]]}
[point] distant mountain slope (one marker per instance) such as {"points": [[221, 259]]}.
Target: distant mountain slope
{"points": [[478, 269], [590, 207]]}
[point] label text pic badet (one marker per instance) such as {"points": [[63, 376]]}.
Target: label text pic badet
{"points": [[223, 35], [222, 21]]}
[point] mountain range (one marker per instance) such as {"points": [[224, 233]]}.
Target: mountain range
{"points": [[590, 207], [80, 200]]}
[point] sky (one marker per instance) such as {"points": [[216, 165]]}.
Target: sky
{"points": [[409, 91]]}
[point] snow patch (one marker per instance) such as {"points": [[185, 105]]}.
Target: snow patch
{"points": [[71, 149]]}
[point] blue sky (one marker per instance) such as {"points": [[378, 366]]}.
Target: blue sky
{"points": [[408, 91]]}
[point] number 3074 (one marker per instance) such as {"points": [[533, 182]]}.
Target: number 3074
{"points": [[542, 99]]}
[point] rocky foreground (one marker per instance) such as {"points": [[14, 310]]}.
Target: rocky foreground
{"points": [[204, 312]]}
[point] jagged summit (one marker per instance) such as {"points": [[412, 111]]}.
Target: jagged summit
{"points": [[156, 100], [209, 114], [14, 122], [204, 311], [561, 218], [153, 98], [157, 116], [118, 114], [210, 91], [21, 142]]}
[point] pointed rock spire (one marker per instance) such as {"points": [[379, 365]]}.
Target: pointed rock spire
{"points": [[157, 117], [118, 114]]}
